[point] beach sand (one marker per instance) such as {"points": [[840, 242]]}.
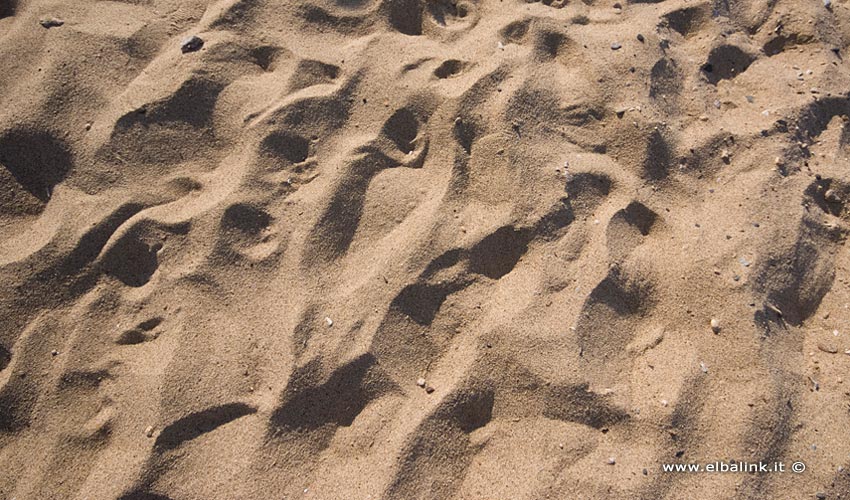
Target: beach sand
{"points": [[423, 249]]}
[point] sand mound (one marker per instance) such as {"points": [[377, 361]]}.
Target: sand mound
{"points": [[424, 249]]}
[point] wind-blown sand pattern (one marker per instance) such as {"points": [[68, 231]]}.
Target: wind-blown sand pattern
{"points": [[419, 249]]}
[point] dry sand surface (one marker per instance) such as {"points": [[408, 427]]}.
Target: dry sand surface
{"points": [[423, 249]]}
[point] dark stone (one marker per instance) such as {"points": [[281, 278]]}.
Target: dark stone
{"points": [[51, 23], [191, 44]]}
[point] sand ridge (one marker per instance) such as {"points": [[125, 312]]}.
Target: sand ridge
{"points": [[422, 248]]}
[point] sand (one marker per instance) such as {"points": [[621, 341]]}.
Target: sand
{"points": [[423, 249]]}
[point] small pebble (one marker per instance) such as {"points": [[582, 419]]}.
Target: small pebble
{"points": [[329, 321], [54, 353], [831, 196], [703, 367], [421, 382], [827, 348], [51, 23], [664, 403], [149, 431], [191, 44], [616, 46], [715, 325], [429, 389], [640, 38], [821, 495], [611, 461]]}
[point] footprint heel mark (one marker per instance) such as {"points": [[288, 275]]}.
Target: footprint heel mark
{"points": [[434, 460], [285, 147], [552, 225], [549, 43], [497, 254], [265, 56], [333, 235], [238, 14], [37, 161], [814, 118], [199, 423], [245, 218], [725, 62], [605, 326], [402, 128], [775, 424], [141, 333], [627, 228], [85, 380], [665, 83], [578, 404], [405, 16], [160, 132], [310, 72], [452, 14], [449, 69], [421, 302], [344, 21], [8, 8], [686, 21], [658, 155], [587, 190], [794, 279], [134, 257], [17, 403], [515, 32], [313, 402]]}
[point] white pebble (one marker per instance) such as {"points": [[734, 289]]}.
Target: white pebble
{"points": [[329, 321], [715, 325]]}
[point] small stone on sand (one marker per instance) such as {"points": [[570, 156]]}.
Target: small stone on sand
{"points": [[616, 46], [329, 321], [421, 382], [51, 23], [191, 44], [611, 461], [715, 325], [149, 431]]}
